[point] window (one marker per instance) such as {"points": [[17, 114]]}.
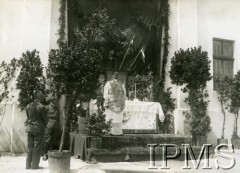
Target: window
{"points": [[222, 59]]}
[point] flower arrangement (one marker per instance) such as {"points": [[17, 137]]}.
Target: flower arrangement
{"points": [[140, 86]]}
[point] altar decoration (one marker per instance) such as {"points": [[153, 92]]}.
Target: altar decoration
{"points": [[141, 86], [138, 117]]}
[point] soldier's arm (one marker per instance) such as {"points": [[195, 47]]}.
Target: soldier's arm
{"points": [[44, 115]]}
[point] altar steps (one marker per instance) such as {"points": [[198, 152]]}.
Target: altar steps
{"points": [[142, 140], [134, 147], [135, 154]]}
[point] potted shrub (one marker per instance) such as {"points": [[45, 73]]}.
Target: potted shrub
{"points": [[70, 69], [234, 108], [223, 97], [73, 69], [97, 127], [191, 69]]}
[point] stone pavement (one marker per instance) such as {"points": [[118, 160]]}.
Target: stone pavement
{"points": [[16, 164]]}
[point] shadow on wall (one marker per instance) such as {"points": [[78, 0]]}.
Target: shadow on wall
{"points": [[13, 137], [5, 141], [19, 142]]}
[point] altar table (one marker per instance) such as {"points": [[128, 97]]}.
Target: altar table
{"points": [[138, 116]]}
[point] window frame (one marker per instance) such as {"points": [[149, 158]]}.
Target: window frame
{"points": [[223, 58]]}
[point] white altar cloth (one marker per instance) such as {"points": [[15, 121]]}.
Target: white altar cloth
{"points": [[138, 116]]}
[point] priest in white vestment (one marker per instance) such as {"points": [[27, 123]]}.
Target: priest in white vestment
{"points": [[114, 103]]}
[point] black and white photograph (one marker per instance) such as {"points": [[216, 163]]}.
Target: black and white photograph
{"points": [[119, 86]]}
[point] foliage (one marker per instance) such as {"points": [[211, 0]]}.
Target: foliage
{"points": [[73, 69], [191, 68], [30, 78], [200, 120], [100, 32], [62, 23], [165, 21], [7, 74], [144, 84], [223, 93], [74, 72], [168, 106], [97, 125], [235, 102]]}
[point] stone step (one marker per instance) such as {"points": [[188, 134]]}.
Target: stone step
{"points": [[142, 140], [133, 154]]}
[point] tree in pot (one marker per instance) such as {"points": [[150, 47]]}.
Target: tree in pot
{"points": [[70, 69], [234, 107], [223, 93], [97, 127], [73, 69], [191, 68]]}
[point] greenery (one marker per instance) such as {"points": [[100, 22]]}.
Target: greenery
{"points": [[73, 69], [223, 93], [200, 120], [144, 85], [165, 22], [100, 32], [62, 23], [97, 125], [7, 74], [168, 106], [30, 78], [191, 69], [235, 102]]}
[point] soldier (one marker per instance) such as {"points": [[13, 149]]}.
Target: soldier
{"points": [[52, 125], [36, 122]]}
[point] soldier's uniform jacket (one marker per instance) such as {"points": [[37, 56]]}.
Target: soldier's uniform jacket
{"points": [[36, 118], [53, 117]]}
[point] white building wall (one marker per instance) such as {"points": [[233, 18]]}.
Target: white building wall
{"points": [[198, 22], [24, 25]]}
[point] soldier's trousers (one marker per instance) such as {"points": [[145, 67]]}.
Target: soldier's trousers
{"points": [[49, 138], [34, 150]]}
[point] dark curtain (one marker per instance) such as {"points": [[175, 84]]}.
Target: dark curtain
{"points": [[143, 18]]}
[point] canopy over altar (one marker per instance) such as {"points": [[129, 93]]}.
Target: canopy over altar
{"points": [[145, 22]]}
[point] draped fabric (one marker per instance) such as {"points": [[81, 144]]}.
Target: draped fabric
{"points": [[144, 20]]}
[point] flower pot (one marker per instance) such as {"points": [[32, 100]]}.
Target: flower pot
{"points": [[200, 140], [236, 143], [82, 125], [222, 141], [96, 143], [59, 162]]}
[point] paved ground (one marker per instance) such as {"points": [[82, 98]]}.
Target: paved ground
{"points": [[16, 164]]}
